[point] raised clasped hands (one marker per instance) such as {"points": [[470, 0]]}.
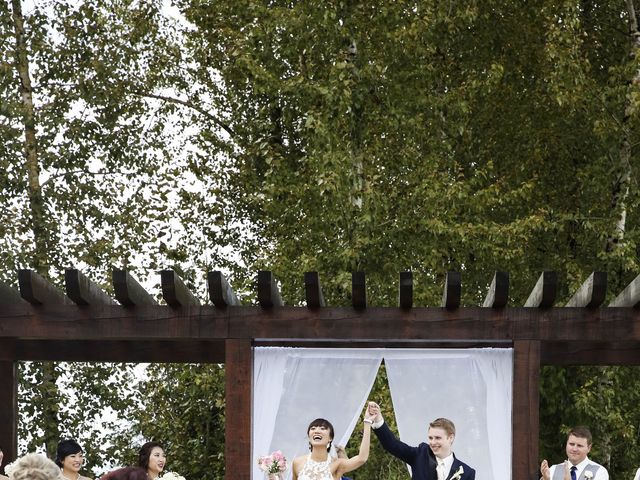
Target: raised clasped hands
{"points": [[373, 410]]}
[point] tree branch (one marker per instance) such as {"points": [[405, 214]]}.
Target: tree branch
{"points": [[190, 105]]}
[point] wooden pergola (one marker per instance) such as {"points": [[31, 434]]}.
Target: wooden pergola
{"points": [[39, 322]]}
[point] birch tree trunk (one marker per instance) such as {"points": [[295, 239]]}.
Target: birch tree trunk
{"points": [[620, 190], [46, 372]]}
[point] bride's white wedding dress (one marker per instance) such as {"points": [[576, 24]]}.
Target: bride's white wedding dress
{"points": [[313, 470]]}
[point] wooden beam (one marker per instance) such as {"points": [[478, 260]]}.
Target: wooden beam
{"points": [[544, 293], [8, 406], [38, 291], [138, 351], [358, 290], [592, 292], [525, 413], [220, 292], [603, 353], [313, 290], [498, 294], [175, 292], [128, 291], [238, 392], [452, 291], [405, 294], [630, 296], [9, 295], [83, 291], [268, 292]]}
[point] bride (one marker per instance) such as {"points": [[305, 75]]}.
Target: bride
{"points": [[319, 465]]}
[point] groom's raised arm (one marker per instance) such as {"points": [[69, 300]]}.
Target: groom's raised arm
{"points": [[388, 440]]}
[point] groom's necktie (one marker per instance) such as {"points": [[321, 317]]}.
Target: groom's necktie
{"points": [[441, 470], [573, 472]]}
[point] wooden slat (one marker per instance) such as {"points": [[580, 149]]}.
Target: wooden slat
{"points": [[544, 293], [175, 292], [592, 292], [358, 290], [8, 405], [220, 292], [9, 295], [498, 294], [526, 400], [38, 291], [452, 291], [238, 388], [313, 290], [83, 291], [630, 296], [268, 292], [128, 291], [405, 294]]}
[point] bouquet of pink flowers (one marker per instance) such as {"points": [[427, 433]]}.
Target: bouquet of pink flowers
{"points": [[273, 464]]}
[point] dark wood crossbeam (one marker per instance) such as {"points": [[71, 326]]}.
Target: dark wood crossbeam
{"points": [[83, 291], [268, 291], [544, 293], [9, 295], [452, 291], [358, 290], [36, 290], [405, 294], [220, 292], [592, 292], [175, 292], [128, 291], [313, 290], [630, 296], [498, 294]]}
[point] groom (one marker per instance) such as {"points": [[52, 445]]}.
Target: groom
{"points": [[434, 461]]}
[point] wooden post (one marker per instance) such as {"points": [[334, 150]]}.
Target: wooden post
{"points": [[238, 395], [526, 415], [9, 410]]}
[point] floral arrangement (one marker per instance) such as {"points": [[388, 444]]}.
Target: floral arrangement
{"points": [[458, 474], [8, 469], [273, 464], [588, 474], [172, 476]]}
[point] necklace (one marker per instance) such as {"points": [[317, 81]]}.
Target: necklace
{"points": [[64, 476]]}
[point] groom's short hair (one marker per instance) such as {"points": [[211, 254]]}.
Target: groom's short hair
{"points": [[581, 432], [445, 424]]}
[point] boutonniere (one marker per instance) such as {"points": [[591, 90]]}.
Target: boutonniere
{"points": [[588, 474], [458, 474]]}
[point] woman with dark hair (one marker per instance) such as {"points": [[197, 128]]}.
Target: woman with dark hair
{"points": [[152, 459], [126, 473], [319, 465], [70, 457]]}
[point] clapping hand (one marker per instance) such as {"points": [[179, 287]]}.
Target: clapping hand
{"points": [[544, 470]]}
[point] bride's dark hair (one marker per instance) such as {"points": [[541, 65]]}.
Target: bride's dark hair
{"points": [[321, 422]]}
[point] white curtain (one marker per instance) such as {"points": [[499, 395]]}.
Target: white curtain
{"points": [[471, 387], [293, 386], [310, 383]]}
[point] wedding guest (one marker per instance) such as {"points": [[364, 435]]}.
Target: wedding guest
{"points": [[34, 467], [577, 465], [152, 459], [432, 461], [70, 458], [2, 477], [318, 464], [126, 473]]}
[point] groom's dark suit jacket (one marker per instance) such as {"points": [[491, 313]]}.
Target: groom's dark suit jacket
{"points": [[421, 458]]}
